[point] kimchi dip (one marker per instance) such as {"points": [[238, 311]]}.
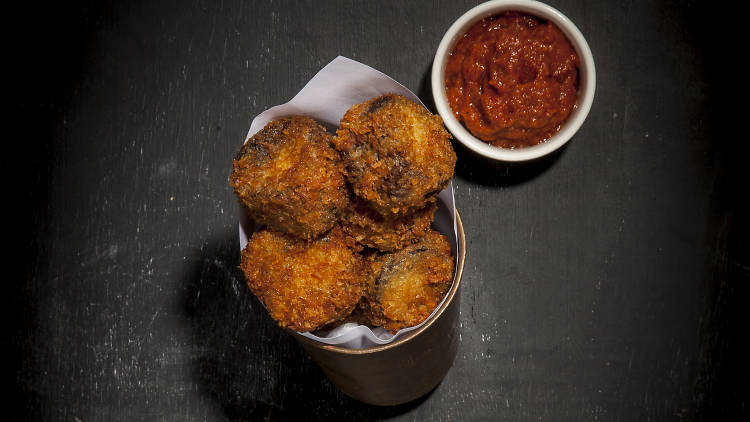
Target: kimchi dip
{"points": [[512, 80]]}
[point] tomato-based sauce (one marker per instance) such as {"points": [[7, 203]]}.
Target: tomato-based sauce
{"points": [[512, 80]]}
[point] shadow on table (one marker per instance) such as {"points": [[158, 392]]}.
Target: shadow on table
{"points": [[245, 362], [480, 170]]}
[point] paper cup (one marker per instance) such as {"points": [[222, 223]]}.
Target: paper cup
{"points": [[405, 369], [373, 365]]}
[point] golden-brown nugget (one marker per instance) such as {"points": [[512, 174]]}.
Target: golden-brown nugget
{"points": [[361, 313], [398, 155], [372, 229], [290, 178], [410, 283], [305, 284]]}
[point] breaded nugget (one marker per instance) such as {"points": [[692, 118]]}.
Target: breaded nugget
{"points": [[360, 314], [290, 178], [305, 284], [386, 234], [410, 283], [398, 155]]}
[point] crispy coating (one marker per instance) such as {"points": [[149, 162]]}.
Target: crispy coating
{"points": [[398, 155], [305, 284], [290, 178], [410, 283], [386, 233], [361, 312]]}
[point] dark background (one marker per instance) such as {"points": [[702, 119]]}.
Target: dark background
{"points": [[608, 282]]}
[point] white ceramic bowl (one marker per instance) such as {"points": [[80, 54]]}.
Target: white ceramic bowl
{"points": [[586, 87]]}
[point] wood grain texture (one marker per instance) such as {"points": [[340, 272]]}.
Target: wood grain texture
{"points": [[604, 283]]}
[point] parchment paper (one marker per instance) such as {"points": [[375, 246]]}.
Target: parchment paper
{"points": [[326, 98]]}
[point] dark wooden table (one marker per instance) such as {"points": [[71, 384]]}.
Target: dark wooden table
{"points": [[605, 283]]}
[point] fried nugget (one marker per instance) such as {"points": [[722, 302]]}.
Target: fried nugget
{"points": [[398, 155], [305, 284], [290, 178], [410, 283], [360, 314], [390, 233]]}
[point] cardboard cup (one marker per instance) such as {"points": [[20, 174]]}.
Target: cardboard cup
{"points": [[414, 361], [402, 370]]}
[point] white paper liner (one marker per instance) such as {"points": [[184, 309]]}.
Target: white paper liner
{"points": [[326, 98]]}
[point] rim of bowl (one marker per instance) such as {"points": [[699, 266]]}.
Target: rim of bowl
{"points": [[586, 88]]}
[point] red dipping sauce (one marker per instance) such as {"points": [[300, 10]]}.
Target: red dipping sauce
{"points": [[512, 80]]}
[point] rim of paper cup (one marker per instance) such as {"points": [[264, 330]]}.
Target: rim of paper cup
{"points": [[586, 88], [461, 251]]}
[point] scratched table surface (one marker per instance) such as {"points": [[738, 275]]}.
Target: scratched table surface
{"points": [[604, 283]]}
